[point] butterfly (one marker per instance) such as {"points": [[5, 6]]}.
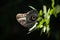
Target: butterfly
{"points": [[27, 19]]}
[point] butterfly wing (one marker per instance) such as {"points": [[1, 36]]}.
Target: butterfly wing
{"points": [[27, 19]]}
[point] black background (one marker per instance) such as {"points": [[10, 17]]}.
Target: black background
{"points": [[11, 29]]}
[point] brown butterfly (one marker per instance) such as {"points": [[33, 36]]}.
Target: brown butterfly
{"points": [[27, 19]]}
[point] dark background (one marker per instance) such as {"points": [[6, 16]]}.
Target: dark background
{"points": [[11, 29]]}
